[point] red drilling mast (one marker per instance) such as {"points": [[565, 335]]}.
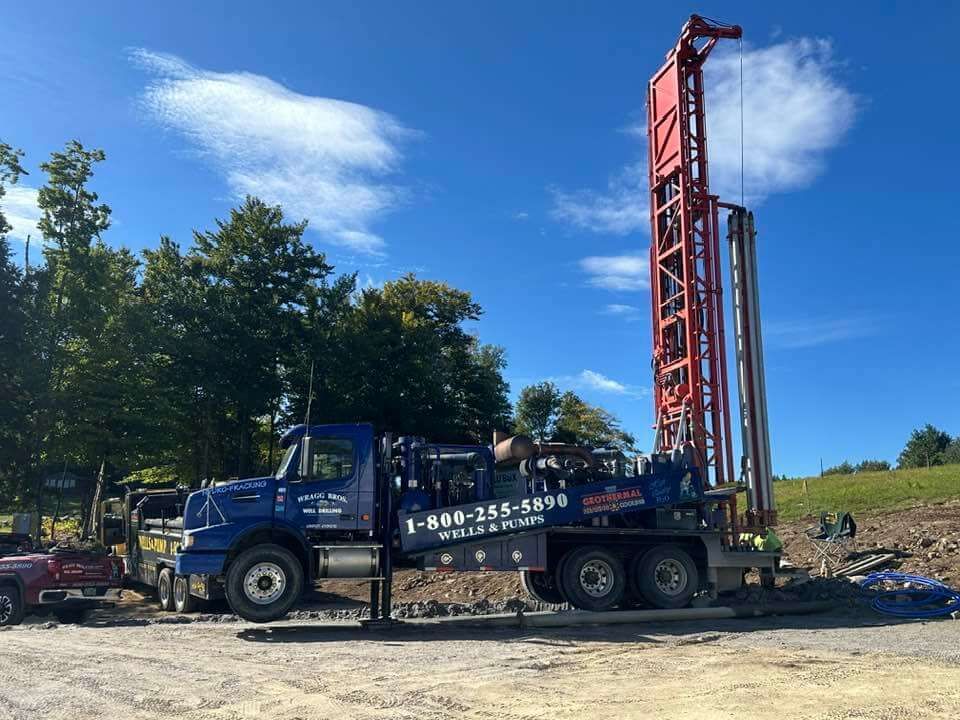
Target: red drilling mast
{"points": [[688, 344], [689, 358]]}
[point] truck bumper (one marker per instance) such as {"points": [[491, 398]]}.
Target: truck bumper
{"points": [[71, 595], [200, 563]]}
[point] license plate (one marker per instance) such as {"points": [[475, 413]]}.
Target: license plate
{"points": [[89, 591]]}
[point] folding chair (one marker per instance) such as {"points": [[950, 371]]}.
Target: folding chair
{"points": [[835, 538]]}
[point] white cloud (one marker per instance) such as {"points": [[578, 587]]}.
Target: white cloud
{"points": [[623, 310], [796, 108], [598, 382], [619, 210], [19, 206], [322, 159], [811, 332], [618, 272]]}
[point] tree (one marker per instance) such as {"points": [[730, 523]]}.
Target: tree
{"points": [[925, 447], [14, 348], [873, 466], [951, 456], [228, 318], [844, 468], [581, 423], [399, 357], [537, 409]]}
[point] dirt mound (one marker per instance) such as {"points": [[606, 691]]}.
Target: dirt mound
{"points": [[927, 539]]}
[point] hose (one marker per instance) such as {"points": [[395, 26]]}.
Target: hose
{"points": [[919, 596]]}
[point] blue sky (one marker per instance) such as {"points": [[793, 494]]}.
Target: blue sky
{"points": [[499, 146]]}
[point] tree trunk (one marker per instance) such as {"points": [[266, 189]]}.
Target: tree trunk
{"points": [[90, 523]]}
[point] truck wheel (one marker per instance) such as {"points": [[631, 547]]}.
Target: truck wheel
{"points": [[165, 589], [592, 579], [541, 587], [667, 577], [70, 615], [263, 583], [11, 606], [183, 601]]}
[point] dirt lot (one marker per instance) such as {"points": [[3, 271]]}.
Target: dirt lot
{"points": [[129, 663], [811, 667]]}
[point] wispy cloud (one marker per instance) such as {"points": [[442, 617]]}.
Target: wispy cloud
{"points": [[598, 382], [618, 272], [811, 332], [322, 159], [630, 313], [618, 210], [796, 108], [19, 206]]}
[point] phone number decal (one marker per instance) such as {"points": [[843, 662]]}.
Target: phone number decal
{"points": [[494, 517]]}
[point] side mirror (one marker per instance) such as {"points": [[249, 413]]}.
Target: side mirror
{"points": [[306, 458]]}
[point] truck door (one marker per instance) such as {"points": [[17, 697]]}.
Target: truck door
{"points": [[338, 495]]}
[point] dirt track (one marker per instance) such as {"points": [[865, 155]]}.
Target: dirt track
{"points": [[816, 667]]}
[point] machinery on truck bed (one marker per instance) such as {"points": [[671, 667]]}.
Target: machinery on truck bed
{"points": [[585, 526], [588, 528]]}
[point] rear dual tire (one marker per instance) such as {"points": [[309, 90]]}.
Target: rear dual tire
{"points": [[665, 576], [593, 578], [165, 589]]}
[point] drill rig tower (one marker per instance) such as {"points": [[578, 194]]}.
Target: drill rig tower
{"points": [[689, 361]]}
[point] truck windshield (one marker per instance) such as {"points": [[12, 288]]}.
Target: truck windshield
{"points": [[285, 461]]}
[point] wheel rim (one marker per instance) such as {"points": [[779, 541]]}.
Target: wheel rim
{"points": [[596, 578], [179, 592], [670, 576], [164, 591], [6, 609], [264, 583]]}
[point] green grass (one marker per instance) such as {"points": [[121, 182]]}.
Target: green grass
{"points": [[866, 492]]}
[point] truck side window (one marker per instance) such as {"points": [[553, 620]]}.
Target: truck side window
{"points": [[332, 458]]}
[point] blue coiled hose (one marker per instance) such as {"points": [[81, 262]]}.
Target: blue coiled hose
{"points": [[924, 598]]}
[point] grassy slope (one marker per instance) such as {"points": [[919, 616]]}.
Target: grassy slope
{"points": [[874, 491]]}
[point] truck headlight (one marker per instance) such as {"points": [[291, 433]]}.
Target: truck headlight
{"points": [[186, 541]]}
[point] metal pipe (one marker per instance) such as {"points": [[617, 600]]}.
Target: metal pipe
{"points": [[570, 618]]}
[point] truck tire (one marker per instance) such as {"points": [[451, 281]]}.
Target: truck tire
{"points": [[70, 615], [541, 586], [11, 605], [165, 589], [183, 601], [592, 578], [263, 583], [667, 577]]}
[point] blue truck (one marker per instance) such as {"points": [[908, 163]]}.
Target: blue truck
{"points": [[587, 527]]}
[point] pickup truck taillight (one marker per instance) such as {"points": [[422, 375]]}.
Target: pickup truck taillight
{"points": [[53, 568]]}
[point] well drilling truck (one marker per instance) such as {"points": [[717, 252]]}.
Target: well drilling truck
{"points": [[585, 526], [588, 527]]}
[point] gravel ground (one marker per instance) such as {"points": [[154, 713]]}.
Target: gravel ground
{"points": [[845, 665]]}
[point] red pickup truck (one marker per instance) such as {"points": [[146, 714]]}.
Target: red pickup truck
{"points": [[66, 582]]}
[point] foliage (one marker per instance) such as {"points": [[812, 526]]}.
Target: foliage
{"points": [[156, 476], [186, 363], [545, 414], [537, 409], [926, 447], [951, 456], [580, 423], [866, 491], [844, 468], [873, 466]]}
